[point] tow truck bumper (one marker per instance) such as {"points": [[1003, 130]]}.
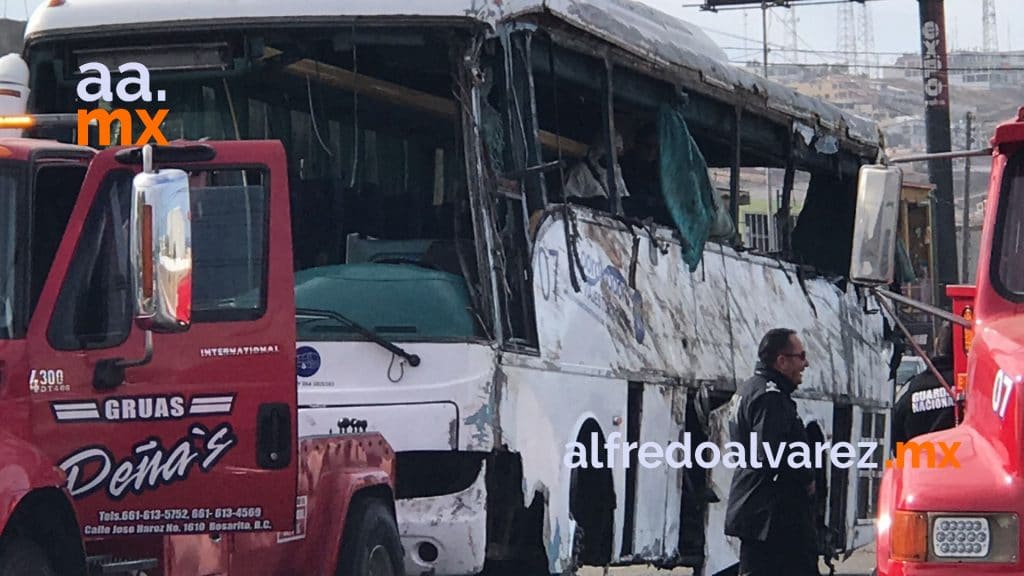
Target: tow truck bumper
{"points": [[947, 569], [445, 535]]}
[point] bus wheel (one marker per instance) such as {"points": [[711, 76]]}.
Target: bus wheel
{"points": [[22, 557], [371, 545]]}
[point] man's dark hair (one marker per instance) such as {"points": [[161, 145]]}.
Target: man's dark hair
{"points": [[775, 342]]}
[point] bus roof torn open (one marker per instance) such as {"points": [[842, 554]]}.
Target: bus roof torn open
{"points": [[675, 47]]}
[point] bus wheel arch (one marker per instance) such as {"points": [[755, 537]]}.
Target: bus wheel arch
{"points": [[370, 542], [57, 538]]}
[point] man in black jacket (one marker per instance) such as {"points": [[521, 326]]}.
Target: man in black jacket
{"points": [[924, 405], [771, 507]]}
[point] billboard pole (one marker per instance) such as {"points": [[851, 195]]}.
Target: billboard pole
{"points": [[940, 171]]}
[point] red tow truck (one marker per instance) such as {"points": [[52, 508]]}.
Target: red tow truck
{"points": [[962, 517], [148, 374]]}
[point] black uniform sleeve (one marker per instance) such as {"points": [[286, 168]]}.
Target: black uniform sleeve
{"points": [[899, 429], [770, 419], [901, 411], [776, 422]]}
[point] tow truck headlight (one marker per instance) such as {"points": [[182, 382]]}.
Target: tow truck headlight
{"points": [[992, 538]]}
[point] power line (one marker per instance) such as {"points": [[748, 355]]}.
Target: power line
{"points": [[912, 55], [799, 39], [895, 67], [808, 50], [739, 37], [704, 6], [840, 52]]}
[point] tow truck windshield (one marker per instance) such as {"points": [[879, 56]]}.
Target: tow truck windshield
{"points": [[9, 187], [1009, 250]]}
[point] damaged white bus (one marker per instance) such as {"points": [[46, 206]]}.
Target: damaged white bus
{"points": [[482, 281]]}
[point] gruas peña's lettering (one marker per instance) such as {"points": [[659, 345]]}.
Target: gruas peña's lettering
{"points": [[149, 466]]}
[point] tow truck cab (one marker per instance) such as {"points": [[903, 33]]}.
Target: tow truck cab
{"points": [[147, 372], [964, 517]]}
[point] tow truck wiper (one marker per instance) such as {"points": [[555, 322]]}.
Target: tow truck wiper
{"points": [[372, 336]]}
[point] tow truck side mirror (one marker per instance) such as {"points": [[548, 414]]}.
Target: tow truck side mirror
{"points": [[875, 229], [161, 250]]}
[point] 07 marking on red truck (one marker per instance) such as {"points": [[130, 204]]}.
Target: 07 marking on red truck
{"points": [[136, 408]]}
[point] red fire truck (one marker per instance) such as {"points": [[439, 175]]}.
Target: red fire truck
{"points": [[148, 374], [961, 515]]}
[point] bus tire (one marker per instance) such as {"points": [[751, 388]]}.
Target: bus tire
{"points": [[371, 545], [23, 557]]}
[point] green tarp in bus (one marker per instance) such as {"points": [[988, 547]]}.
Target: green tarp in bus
{"points": [[686, 187]]}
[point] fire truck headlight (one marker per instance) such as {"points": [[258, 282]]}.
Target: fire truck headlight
{"points": [[978, 537], [961, 537]]}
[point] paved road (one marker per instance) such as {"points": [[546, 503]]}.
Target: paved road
{"points": [[860, 563]]}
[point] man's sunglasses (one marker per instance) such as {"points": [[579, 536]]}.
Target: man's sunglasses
{"points": [[802, 355]]}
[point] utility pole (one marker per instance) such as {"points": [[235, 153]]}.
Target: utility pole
{"points": [[764, 33], [772, 232], [935, 75], [767, 171], [965, 242]]}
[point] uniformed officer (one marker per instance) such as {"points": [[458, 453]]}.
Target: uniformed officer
{"points": [[771, 507], [924, 405]]}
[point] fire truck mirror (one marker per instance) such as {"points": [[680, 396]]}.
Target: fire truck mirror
{"points": [[162, 250], [873, 255]]}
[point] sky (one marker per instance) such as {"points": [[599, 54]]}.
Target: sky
{"points": [[895, 24]]}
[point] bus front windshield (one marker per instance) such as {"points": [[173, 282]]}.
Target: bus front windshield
{"points": [[371, 127]]}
